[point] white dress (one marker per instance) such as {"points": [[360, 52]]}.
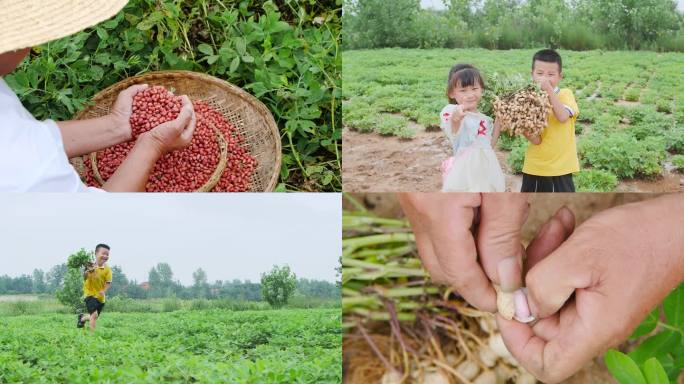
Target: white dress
{"points": [[474, 166]]}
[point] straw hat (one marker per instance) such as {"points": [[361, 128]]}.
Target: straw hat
{"points": [[27, 23]]}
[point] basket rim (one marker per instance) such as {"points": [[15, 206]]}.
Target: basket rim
{"points": [[250, 99]]}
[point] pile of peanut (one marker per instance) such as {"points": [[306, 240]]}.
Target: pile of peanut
{"points": [[523, 112]]}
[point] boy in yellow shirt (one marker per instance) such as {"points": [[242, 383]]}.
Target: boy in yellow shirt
{"points": [[97, 280], [551, 159]]}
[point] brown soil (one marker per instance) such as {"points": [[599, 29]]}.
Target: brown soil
{"points": [[376, 163], [627, 103]]}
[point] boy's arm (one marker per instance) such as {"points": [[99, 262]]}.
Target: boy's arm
{"points": [[108, 283], [559, 109], [106, 287]]}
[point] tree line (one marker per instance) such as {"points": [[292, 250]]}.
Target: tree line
{"points": [[509, 24], [161, 283]]}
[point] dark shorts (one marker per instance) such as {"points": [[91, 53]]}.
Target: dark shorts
{"points": [[533, 183], [93, 304]]}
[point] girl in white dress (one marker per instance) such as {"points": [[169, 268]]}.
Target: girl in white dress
{"points": [[473, 166]]}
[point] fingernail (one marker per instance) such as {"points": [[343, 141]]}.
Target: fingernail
{"points": [[522, 309], [509, 274]]}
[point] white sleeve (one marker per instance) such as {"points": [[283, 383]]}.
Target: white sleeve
{"points": [[58, 174], [32, 157], [445, 120]]}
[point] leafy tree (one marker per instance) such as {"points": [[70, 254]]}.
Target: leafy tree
{"points": [[278, 285], [200, 287], [21, 284], [379, 23], [39, 285], [631, 21], [55, 277], [119, 283], [161, 281], [71, 293], [135, 291]]}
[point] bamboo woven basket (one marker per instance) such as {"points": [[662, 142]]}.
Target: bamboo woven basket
{"points": [[250, 117]]}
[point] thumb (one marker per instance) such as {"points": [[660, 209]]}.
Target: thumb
{"points": [[498, 234], [552, 281], [190, 128], [133, 90], [184, 117]]}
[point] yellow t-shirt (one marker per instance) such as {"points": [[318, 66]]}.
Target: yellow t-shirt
{"points": [[95, 282], [556, 155]]}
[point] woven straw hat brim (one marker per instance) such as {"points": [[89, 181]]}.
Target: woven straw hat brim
{"points": [[27, 23]]}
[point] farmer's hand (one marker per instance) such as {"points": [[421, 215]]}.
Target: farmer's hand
{"points": [[102, 293], [174, 134], [618, 264], [123, 108], [449, 249]]}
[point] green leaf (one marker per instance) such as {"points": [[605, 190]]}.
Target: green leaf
{"points": [[102, 33], [655, 345], [648, 324], [234, 64], [654, 372], [146, 25], [240, 45], [673, 305], [623, 368], [206, 49]]}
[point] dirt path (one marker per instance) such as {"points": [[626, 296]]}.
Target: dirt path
{"points": [[375, 163]]}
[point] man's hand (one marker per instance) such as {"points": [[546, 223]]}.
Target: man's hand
{"points": [[443, 225], [592, 291], [81, 137], [122, 109], [174, 134]]}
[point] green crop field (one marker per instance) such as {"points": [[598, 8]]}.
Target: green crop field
{"points": [[631, 104], [207, 346]]}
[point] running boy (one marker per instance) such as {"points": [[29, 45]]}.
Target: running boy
{"points": [[97, 280], [552, 158]]}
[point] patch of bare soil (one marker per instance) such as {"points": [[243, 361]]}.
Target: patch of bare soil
{"points": [[376, 163]]}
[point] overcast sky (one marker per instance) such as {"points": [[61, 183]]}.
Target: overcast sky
{"points": [[439, 4], [230, 236]]}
